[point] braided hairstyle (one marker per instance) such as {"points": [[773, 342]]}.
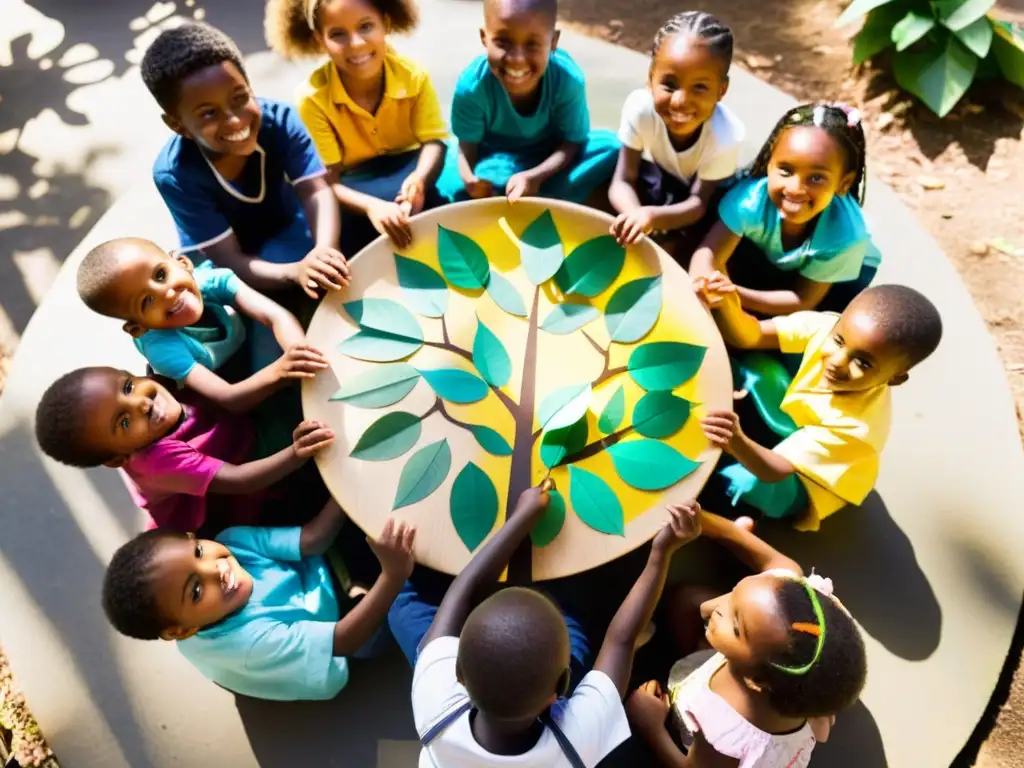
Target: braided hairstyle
{"points": [[289, 25], [839, 121], [703, 26]]}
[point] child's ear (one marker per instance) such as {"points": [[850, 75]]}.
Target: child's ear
{"points": [[116, 461], [554, 39], [178, 633], [133, 329], [483, 37], [899, 378], [458, 673], [724, 89], [175, 125], [846, 183]]}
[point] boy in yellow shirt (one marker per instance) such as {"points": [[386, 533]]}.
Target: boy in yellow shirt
{"points": [[839, 399]]}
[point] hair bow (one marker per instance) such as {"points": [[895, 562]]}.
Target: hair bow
{"points": [[853, 114], [820, 584]]}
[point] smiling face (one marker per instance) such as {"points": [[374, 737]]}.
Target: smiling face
{"points": [[354, 35], [807, 169], [519, 41], [746, 625], [687, 81], [216, 108], [857, 356]]}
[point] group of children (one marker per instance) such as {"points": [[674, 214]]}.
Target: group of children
{"points": [[241, 566]]}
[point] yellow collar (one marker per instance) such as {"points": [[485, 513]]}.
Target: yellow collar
{"points": [[395, 84]]}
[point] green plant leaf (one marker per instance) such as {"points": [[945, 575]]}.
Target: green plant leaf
{"points": [[939, 76], [910, 29], [660, 414], [958, 14], [664, 365], [1009, 54], [454, 384], [378, 387], [384, 316], [560, 444], [566, 318], [426, 292], [388, 437], [463, 262], [977, 37], [564, 406], [474, 505], [650, 465], [505, 295], [591, 267], [858, 8], [633, 309], [378, 347], [613, 412], [541, 251], [595, 503], [551, 521], [876, 34], [490, 357], [423, 473], [490, 440]]}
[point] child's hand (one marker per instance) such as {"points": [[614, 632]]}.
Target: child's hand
{"points": [[479, 188], [311, 437], [389, 219], [648, 707], [721, 428], [682, 527], [413, 192], [324, 268], [301, 362], [521, 185], [393, 549], [533, 500], [715, 290], [629, 228]]}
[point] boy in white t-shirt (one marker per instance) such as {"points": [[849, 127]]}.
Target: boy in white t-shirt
{"points": [[488, 683], [678, 141]]}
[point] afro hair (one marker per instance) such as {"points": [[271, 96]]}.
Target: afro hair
{"points": [[128, 598], [289, 34], [59, 422], [179, 53]]}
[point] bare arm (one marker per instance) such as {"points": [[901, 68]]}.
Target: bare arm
{"points": [[749, 549], [252, 270], [688, 211], [561, 158], [234, 398], [321, 209], [764, 463], [713, 254], [234, 479], [806, 294], [320, 532], [469, 155], [622, 191], [268, 312], [743, 330], [431, 161], [348, 197]]}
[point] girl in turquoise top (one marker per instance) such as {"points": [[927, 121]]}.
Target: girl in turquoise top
{"points": [[791, 231]]}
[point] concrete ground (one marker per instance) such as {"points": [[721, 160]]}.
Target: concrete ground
{"points": [[928, 565]]}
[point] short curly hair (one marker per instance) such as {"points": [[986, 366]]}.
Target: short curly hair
{"points": [[59, 421], [129, 600], [179, 53], [910, 321], [100, 270], [289, 34]]}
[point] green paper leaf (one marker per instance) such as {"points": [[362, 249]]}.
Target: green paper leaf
{"points": [[1008, 51], [490, 440], [613, 412], [591, 267], [876, 34], [541, 251], [474, 505], [858, 8], [423, 473], [384, 316], [566, 318], [505, 295], [378, 347], [564, 406], [558, 445], [633, 310], [665, 364], [378, 387], [660, 414], [958, 14], [463, 262], [937, 76], [388, 437], [551, 521], [595, 503], [910, 29], [454, 384], [977, 37], [425, 291], [490, 357], [650, 465]]}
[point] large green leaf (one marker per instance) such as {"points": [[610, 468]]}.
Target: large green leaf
{"points": [[454, 384], [564, 406], [977, 37], [388, 437], [505, 295], [858, 8], [958, 14], [541, 251], [490, 357], [613, 412], [566, 318], [474, 505], [423, 473], [463, 262], [591, 267], [660, 414], [1009, 54], [384, 316], [490, 440], [650, 465], [938, 75], [551, 521], [876, 34], [910, 29], [595, 503], [633, 309], [560, 444], [378, 387], [426, 292], [379, 347], [665, 364]]}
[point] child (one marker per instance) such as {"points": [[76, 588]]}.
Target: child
{"points": [[186, 462], [488, 681], [373, 114], [256, 610], [520, 114], [798, 214], [786, 658], [679, 143], [839, 400], [240, 172]]}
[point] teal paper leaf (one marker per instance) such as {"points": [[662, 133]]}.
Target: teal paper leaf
{"points": [[474, 505], [591, 267], [423, 473], [650, 465], [378, 387], [463, 262], [566, 318], [378, 347], [595, 503], [505, 295], [426, 292], [558, 445], [633, 310], [490, 440], [613, 412], [664, 365], [384, 316], [454, 384], [564, 406], [551, 521], [490, 357], [541, 251], [388, 437], [660, 414]]}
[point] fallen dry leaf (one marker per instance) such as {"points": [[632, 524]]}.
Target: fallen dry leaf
{"points": [[979, 248], [757, 61], [1015, 367], [931, 182], [884, 120]]}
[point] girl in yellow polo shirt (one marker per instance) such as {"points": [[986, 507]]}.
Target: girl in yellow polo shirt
{"points": [[373, 115]]}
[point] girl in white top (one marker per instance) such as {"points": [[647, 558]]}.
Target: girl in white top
{"points": [[786, 658], [678, 141]]}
